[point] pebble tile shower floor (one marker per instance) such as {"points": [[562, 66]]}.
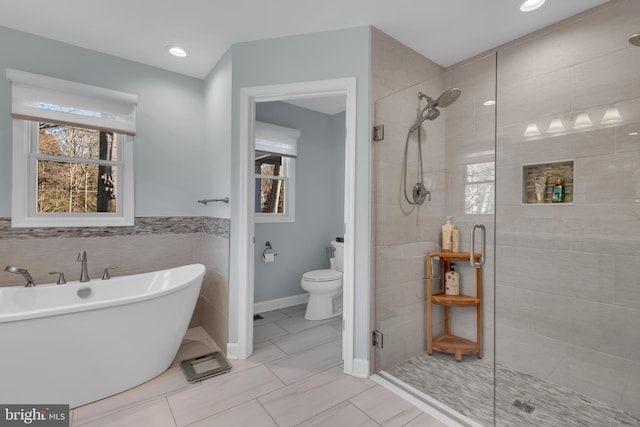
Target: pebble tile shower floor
{"points": [[467, 387]]}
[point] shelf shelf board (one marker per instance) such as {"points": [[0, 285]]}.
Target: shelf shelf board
{"points": [[455, 300], [449, 343], [454, 256]]}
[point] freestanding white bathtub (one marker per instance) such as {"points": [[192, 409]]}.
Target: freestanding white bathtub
{"points": [[58, 346]]}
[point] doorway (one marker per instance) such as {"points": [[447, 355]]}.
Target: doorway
{"points": [[293, 93]]}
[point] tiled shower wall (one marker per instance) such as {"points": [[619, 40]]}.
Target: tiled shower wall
{"points": [[153, 243], [567, 280], [470, 141], [402, 233], [568, 275]]}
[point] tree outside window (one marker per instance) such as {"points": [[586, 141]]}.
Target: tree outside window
{"points": [[76, 169]]}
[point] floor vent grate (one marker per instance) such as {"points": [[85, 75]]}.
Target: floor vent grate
{"points": [[202, 367]]}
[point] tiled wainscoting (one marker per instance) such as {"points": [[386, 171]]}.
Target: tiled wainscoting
{"points": [[153, 243]]}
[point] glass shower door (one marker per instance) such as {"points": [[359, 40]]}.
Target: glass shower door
{"points": [[458, 150]]}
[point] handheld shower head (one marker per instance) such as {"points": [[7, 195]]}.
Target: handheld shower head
{"points": [[432, 114], [427, 113]]}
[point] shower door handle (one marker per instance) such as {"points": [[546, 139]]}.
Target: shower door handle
{"points": [[483, 237]]}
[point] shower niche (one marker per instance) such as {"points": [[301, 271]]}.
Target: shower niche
{"points": [[535, 192]]}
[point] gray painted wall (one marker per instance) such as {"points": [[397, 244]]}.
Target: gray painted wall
{"points": [[319, 195], [309, 57], [218, 136]]}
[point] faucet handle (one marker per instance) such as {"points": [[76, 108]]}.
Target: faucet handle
{"points": [[105, 274], [61, 279]]}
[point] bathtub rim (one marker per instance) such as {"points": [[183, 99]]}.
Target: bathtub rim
{"points": [[198, 273]]}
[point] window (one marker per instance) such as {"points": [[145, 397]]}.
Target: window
{"points": [[479, 194], [275, 153], [72, 153]]}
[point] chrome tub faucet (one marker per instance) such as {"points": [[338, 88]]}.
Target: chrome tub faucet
{"points": [[84, 273]]}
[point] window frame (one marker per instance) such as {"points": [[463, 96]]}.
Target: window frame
{"points": [[25, 185], [288, 137]]}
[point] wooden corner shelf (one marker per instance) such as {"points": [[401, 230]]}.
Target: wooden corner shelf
{"points": [[455, 300], [448, 342]]}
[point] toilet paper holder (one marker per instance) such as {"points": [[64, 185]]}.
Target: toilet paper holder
{"points": [[268, 250]]}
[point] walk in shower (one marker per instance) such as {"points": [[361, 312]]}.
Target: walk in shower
{"points": [[561, 299]]}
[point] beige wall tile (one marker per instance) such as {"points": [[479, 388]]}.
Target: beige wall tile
{"points": [[608, 179], [627, 282], [516, 62], [580, 275], [529, 100], [601, 327], [514, 308], [608, 79], [131, 254], [396, 66], [532, 353], [602, 376], [603, 32]]}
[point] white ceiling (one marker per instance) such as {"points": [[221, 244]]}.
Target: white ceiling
{"points": [[445, 31]]}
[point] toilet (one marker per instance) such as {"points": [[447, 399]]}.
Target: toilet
{"points": [[325, 288]]}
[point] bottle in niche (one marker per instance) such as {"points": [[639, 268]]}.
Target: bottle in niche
{"points": [[558, 192], [452, 282]]}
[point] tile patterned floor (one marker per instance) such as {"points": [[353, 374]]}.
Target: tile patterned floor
{"points": [[467, 387], [294, 378]]}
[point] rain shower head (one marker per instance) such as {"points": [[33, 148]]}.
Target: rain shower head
{"points": [[448, 97]]}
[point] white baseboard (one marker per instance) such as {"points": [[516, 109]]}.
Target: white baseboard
{"points": [[276, 304], [360, 368], [232, 350]]}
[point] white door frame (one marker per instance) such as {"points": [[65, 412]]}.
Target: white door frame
{"points": [[248, 98]]}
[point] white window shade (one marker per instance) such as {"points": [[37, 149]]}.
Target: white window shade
{"points": [[41, 98], [274, 139]]}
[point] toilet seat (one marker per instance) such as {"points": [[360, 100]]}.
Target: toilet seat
{"points": [[322, 275]]}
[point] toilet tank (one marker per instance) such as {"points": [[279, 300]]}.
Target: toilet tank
{"points": [[339, 255]]}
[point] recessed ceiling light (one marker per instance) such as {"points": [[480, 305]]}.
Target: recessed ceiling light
{"points": [[489, 103], [633, 133], [177, 51], [529, 5]]}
